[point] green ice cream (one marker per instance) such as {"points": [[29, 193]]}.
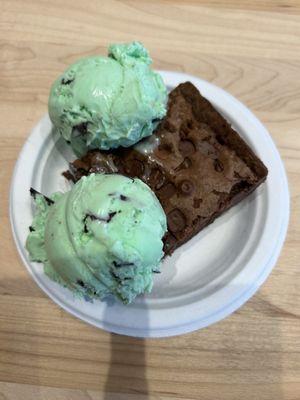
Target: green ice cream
{"points": [[107, 102], [102, 237]]}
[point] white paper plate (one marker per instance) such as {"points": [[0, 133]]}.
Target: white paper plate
{"points": [[206, 279]]}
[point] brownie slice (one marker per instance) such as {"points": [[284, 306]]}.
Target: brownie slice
{"points": [[196, 164]]}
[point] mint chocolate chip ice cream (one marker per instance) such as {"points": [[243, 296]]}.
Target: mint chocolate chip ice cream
{"points": [[106, 102], [102, 237]]}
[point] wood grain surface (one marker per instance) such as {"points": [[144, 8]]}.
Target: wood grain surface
{"points": [[252, 50]]}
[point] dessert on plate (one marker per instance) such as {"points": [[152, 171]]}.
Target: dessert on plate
{"points": [[102, 237], [196, 164], [153, 170], [107, 102]]}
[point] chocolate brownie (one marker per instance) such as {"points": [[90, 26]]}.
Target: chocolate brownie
{"points": [[196, 164]]}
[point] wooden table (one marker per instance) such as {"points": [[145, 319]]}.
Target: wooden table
{"points": [[251, 49]]}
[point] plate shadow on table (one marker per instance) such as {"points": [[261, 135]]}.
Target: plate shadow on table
{"points": [[127, 366]]}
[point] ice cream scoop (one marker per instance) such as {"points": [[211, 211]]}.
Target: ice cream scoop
{"points": [[102, 237], [107, 102]]}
